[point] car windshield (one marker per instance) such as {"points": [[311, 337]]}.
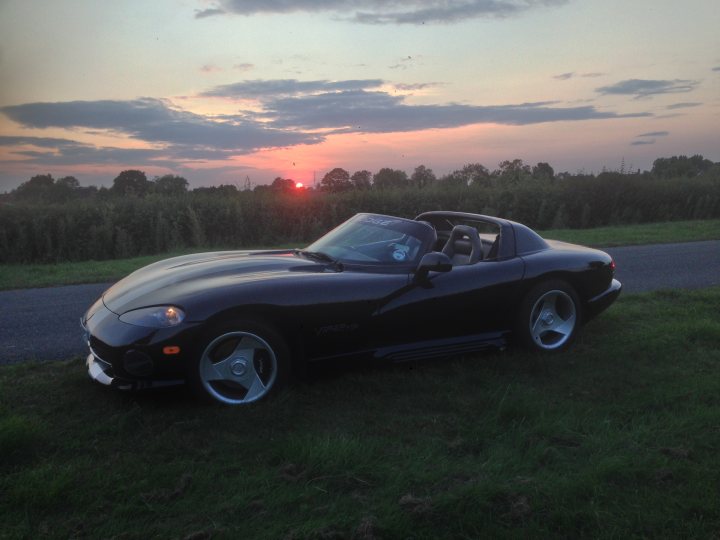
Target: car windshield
{"points": [[375, 239]]}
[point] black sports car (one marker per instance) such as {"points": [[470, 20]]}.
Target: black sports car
{"points": [[234, 324]]}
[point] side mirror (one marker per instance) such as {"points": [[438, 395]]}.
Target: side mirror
{"points": [[433, 262]]}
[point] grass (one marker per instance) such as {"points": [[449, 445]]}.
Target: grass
{"points": [[646, 233], [616, 438], [18, 276], [22, 276]]}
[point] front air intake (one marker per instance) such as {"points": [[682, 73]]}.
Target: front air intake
{"points": [[138, 364]]}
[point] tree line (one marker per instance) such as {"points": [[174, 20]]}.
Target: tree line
{"points": [[134, 183], [163, 215]]}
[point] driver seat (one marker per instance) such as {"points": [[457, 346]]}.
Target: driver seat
{"points": [[463, 246]]}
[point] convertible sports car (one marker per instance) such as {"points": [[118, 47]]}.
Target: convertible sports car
{"points": [[234, 324]]}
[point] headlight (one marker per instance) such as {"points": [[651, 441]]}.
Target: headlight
{"points": [[154, 317]]}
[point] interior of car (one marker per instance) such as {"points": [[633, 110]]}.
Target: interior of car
{"points": [[467, 242]]}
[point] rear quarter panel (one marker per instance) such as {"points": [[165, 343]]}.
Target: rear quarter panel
{"points": [[587, 270]]}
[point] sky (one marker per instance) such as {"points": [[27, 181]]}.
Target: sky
{"points": [[243, 91]]}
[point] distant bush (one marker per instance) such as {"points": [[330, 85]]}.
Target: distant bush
{"points": [[112, 227]]}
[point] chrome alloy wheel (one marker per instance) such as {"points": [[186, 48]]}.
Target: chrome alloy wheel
{"points": [[237, 368], [552, 319]]}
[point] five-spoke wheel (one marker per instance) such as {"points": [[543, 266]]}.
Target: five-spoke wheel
{"points": [[241, 366]]}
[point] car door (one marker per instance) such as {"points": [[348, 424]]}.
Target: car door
{"points": [[468, 300]]}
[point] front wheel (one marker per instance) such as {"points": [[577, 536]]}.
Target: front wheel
{"points": [[549, 316], [240, 364]]}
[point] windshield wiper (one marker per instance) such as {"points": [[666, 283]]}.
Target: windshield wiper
{"points": [[320, 257]]}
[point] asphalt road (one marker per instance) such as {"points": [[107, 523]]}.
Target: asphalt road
{"points": [[690, 265], [43, 324]]}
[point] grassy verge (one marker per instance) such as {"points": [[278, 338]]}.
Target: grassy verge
{"points": [[646, 233], [45, 275], [22, 276], [616, 438]]}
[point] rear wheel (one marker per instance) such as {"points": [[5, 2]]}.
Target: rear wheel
{"points": [[242, 363], [549, 316]]}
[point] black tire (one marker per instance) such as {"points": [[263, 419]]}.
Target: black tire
{"points": [[240, 363], [549, 317]]}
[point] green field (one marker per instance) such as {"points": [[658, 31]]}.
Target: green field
{"points": [[17, 276], [616, 438], [646, 233], [22, 276]]}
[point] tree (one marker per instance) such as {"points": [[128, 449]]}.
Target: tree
{"points": [[361, 179], [336, 180], [680, 166], [68, 182], [472, 174], [513, 171], [40, 187], [389, 178], [171, 185], [67, 188], [283, 185], [225, 190], [131, 182], [44, 188], [543, 171], [422, 177]]}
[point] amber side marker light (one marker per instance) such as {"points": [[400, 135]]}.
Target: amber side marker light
{"points": [[171, 349]]}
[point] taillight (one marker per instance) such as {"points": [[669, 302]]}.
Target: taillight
{"points": [[612, 266]]}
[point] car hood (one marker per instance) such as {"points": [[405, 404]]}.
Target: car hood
{"points": [[180, 278]]}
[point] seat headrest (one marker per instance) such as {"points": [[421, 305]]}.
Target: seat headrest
{"points": [[462, 247], [465, 241]]}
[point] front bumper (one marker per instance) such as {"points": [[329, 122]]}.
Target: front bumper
{"points": [[102, 372], [602, 301], [129, 357]]}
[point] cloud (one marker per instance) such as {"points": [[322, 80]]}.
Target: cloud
{"points": [[684, 105], [642, 142], [59, 151], [379, 112], [210, 12], [643, 88], [244, 66], [654, 134], [153, 121], [359, 106], [390, 11], [210, 68], [259, 89], [42, 142], [99, 156], [717, 68], [69, 152], [288, 113], [418, 86], [571, 74]]}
